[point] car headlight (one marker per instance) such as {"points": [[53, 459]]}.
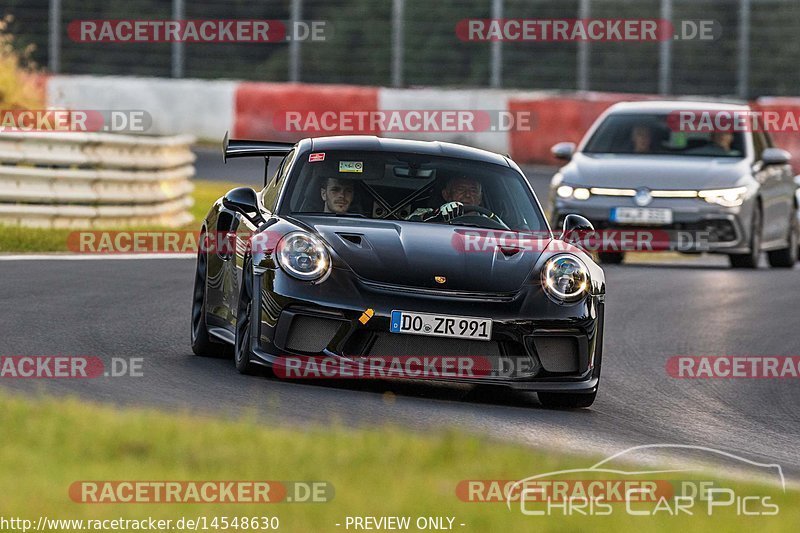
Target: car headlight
{"points": [[565, 278], [564, 191], [580, 193], [724, 197], [303, 256]]}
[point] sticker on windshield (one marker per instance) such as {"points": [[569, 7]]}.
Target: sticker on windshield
{"points": [[319, 156], [351, 166]]}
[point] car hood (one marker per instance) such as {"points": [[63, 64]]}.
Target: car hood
{"points": [[654, 172], [413, 254]]}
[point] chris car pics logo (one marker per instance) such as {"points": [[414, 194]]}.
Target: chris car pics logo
{"points": [[614, 486]]}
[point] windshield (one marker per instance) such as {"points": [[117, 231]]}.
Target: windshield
{"points": [[412, 187], [651, 134]]}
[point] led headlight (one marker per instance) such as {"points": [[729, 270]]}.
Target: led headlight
{"points": [[565, 278], [303, 256], [724, 197], [581, 194], [564, 191]]}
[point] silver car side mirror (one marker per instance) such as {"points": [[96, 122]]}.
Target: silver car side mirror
{"points": [[563, 150]]}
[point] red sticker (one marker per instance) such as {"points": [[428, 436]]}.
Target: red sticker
{"points": [[319, 156]]}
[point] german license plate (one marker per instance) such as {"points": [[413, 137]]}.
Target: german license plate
{"points": [[457, 327], [641, 215]]}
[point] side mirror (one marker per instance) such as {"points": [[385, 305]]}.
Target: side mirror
{"points": [[573, 223], [775, 156], [563, 150], [244, 200]]}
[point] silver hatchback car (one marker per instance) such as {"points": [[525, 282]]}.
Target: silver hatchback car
{"points": [[729, 192]]}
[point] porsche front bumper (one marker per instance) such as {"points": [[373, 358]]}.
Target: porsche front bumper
{"points": [[536, 344]]}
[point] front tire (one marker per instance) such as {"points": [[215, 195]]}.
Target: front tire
{"points": [[201, 342], [787, 257], [242, 351], [750, 259], [566, 400]]}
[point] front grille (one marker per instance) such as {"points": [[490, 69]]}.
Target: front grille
{"points": [[493, 359], [311, 333], [558, 354], [390, 345]]}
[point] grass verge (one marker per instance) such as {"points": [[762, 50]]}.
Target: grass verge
{"points": [[50, 443], [17, 239]]}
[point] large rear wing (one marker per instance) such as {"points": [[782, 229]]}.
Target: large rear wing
{"points": [[232, 148], [243, 148]]}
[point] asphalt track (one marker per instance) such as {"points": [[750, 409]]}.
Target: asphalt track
{"points": [[654, 310]]}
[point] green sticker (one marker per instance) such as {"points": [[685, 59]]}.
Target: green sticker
{"points": [[351, 166]]}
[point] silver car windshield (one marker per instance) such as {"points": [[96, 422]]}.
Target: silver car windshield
{"points": [[654, 134]]}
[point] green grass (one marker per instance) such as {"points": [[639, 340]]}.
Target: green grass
{"points": [[17, 239], [48, 444], [205, 194]]}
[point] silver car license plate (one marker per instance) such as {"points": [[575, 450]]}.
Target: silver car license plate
{"points": [[641, 215]]}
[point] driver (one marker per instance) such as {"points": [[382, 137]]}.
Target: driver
{"points": [[641, 139], [457, 193], [337, 195], [722, 141]]}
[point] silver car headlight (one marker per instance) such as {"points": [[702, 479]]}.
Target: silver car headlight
{"points": [[565, 278], [724, 197], [303, 256], [578, 193]]}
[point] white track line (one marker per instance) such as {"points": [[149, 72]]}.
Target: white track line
{"points": [[91, 257]]}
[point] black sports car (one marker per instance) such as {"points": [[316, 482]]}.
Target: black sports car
{"points": [[361, 248]]}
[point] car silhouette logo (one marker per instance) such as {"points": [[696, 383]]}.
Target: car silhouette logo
{"points": [[643, 197], [440, 279], [608, 467]]}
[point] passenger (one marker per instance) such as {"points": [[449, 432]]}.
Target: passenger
{"points": [[337, 195]]}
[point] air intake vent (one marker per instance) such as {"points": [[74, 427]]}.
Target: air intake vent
{"points": [[352, 238], [557, 354], [310, 333], [509, 251]]}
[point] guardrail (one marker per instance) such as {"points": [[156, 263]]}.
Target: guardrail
{"points": [[79, 180]]}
